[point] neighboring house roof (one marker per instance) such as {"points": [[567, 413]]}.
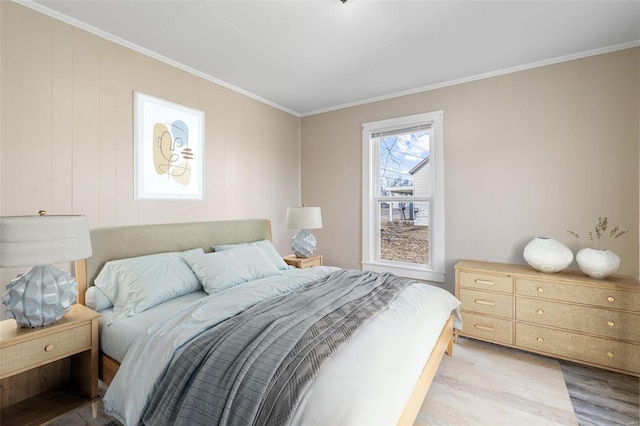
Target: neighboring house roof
{"points": [[401, 190], [419, 165]]}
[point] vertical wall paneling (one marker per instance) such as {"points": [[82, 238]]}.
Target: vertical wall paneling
{"points": [[61, 104], [27, 125], [67, 140], [86, 127], [107, 133], [2, 121], [4, 274], [216, 178], [127, 77]]}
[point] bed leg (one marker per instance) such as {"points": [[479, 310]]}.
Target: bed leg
{"points": [[450, 348], [94, 409]]}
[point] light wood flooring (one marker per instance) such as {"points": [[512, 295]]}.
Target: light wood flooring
{"points": [[485, 384]]}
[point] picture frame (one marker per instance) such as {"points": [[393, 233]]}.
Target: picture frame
{"points": [[168, 149]]}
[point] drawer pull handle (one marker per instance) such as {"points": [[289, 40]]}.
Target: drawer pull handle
{"points": [[540, 311], [540, 289], [610, 354], [483, 327], [485, 282], [540, 339], [611, 323], [48, 348], [611, 299], [484, 302]]}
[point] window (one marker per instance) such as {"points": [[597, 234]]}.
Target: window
{"points": [[402, 196]]}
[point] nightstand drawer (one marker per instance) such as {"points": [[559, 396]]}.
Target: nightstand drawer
{"points": [[594, 350], [586, 319], [486, 281], [44, 349], [484, 302], [487, 328], [610, 298]]}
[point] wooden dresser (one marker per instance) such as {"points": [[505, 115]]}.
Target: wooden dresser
{"points": [[565, 315]]}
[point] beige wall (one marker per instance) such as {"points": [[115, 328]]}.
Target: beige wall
{"points": [[66, 133], [530, 153], [527, 154]]}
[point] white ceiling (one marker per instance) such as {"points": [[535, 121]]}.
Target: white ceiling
{"points": [[309, 56]]}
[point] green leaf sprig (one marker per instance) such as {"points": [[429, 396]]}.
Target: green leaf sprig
{"points": [[600, 230]]}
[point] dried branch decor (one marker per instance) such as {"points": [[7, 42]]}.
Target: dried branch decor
{"points": [[599, 231]]}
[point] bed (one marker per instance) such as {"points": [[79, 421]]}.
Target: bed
{"points": [[360, 384]]}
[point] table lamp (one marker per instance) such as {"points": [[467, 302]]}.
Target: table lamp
{"points": [[304, 218], [43, 294]]}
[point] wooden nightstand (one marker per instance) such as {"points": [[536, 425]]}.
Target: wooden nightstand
{"points": [[303, 262], [49, 371]]}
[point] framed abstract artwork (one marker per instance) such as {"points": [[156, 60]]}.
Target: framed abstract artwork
{"points": [[168, 149]]}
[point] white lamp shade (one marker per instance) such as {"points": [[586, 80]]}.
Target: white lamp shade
{"points": [[43, 240], [304, 218]]}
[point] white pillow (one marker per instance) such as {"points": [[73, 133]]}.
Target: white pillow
{"points": [[218, 271], [265, 245], [139, 283], [95, 299]]}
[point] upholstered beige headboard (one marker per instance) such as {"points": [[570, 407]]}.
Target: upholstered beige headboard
{"points": [[139, 240]]}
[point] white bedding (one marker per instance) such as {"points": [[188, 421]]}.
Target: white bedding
{"points": [[388, 353], [116, 338]]}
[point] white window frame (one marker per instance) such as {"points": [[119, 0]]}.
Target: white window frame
{"points": [[370, 197]]}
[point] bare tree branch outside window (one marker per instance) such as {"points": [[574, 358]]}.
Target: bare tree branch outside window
{"points": [[404, 231]]}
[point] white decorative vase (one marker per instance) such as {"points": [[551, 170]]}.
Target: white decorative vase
{"points": [[547, 255], [597, 264]]}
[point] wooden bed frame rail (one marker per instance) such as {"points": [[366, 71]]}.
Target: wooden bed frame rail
{"points": [[444, 344]]}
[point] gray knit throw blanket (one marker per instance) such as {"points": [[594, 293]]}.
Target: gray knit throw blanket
{"points": [[251, 368]]}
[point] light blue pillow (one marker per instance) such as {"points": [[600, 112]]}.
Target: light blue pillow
{"points": [[139, 283], [219, 271], [95, 299], [265, 245]]}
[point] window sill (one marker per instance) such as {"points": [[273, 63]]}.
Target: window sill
{"points": [[414, 272]]}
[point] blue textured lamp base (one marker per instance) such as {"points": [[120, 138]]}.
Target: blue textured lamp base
{"points": [[303, 243], [40, 296]]}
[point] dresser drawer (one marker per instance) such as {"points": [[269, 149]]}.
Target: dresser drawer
{"points": [[44, 349], [610, 298], [487, 328], [594, 350], [603, 322], [486, 281], [485, 302]]}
